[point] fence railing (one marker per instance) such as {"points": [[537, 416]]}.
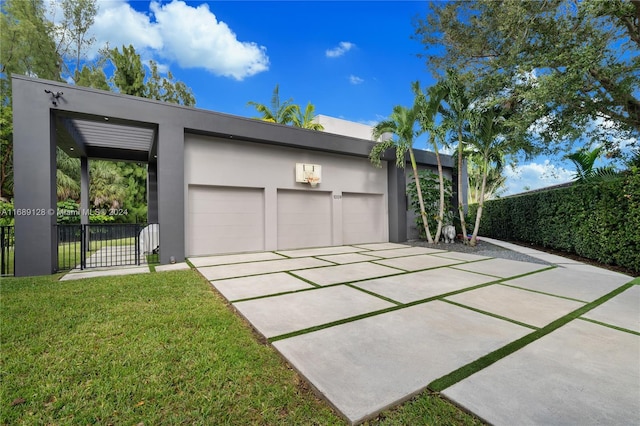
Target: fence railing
{"points": [[105, 245], [7, 248]]}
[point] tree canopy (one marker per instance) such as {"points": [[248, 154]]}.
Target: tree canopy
{"points": [[570, 69]]}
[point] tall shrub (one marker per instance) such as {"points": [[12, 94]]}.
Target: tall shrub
{"points": [[598, 220]]}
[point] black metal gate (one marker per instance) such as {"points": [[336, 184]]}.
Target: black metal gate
{"points": [[100, 245], [7, 248]]}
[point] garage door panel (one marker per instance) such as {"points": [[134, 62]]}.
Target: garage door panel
{"points": [[363, 218], [225, 220], [304, 219]]}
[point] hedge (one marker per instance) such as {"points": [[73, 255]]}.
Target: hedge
{"points": [[598, 220]]}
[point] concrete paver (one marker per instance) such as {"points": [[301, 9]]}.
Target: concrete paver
{"points": [[409, 251], [502, 268], [527, 307], [347, 258], [245, 269], [417, 263], [423, 285], [365, 366], [580, 374], [565, 282], [181, 266], [89, 273], [381, 246], [620, 311], [233, 258], [345, 273], [319, 251], [461, 256], [259, 285], [278, 315]]}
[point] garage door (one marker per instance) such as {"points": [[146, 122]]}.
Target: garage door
{"points": [[225, 220], [304, 219], [363, 218]]}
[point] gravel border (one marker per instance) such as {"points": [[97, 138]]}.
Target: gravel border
{"points": [[483, 248]]}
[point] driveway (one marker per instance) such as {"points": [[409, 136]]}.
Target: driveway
{"points": [[369, 326]]}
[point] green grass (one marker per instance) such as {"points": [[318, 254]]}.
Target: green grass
{"points": [[141, 348], [153, 348], [492, 357]]}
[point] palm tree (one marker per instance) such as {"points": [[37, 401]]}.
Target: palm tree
{"points": [[584, 160], [428, 109], [67, 176], [488, 144], [495, 180], [455, 119], [401, 124], [277, 112], [107, 187], [306, 120]]}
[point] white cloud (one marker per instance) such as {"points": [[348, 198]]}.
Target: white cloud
{"points": [[193, 37], [342, 48], [354, 79], [531, 176]]}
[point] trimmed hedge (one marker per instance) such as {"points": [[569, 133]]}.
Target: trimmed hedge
{"points": [[598, 220]]}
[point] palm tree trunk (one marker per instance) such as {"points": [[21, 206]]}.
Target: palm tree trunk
{"points": [[441, 182], [414, 166], [463, 224], [476, 228]]}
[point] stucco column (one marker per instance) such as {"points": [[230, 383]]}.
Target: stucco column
{"points": [[34, 181], [152, 193], [170, 179], [397, 199]]}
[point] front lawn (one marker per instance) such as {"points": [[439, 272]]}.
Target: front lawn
{"points": [[159, 348]]}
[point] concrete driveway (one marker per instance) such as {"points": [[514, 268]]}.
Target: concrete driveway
{"points": [[369, 326]]}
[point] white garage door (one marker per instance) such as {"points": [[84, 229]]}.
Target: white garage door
{"points": [[304, 219], [225, 220], [363, 218]]}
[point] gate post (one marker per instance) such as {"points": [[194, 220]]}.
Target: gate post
{"points": [[83, 247]]}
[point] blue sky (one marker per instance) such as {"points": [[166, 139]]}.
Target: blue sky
{"points": [[352, 60]]}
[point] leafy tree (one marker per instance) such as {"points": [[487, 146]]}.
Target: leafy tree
{"points": [[305, 120], [584, 160], [565, 66], [92, 76], [277, 112], [401, 123], [6, 151], [77, 18], [166, 90], [26, 47], [130, 78]]}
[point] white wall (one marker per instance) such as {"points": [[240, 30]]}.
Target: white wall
{"points": [[234, 163], [347, 128]]}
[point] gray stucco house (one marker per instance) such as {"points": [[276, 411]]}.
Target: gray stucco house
{"points": [[216, 183]]}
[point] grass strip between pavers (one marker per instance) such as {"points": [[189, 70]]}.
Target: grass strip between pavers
{"points": [[480, 311], [465, 371], [615, 327], [374, 313]]}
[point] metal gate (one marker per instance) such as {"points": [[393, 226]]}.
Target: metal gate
{"points": [[101, 245]]}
